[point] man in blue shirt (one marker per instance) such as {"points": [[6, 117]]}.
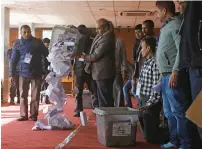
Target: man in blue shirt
{"points": [[28, 52]]}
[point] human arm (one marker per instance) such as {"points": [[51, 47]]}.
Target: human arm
{"points": [[99, 51], [155, 97], [174, 75]]}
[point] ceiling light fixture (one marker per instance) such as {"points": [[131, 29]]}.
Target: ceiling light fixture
{"points": [[102, 9]]}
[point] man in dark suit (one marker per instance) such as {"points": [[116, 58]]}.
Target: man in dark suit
{"points": [[83, 45], [101, 62]]}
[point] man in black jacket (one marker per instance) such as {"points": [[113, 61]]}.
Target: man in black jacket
{"points": [[27, 51], [83, 45], [191, 46]]}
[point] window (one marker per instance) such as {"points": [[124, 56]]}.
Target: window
{"points": [[46, 34]]}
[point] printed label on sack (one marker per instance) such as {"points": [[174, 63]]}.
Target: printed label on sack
{"points": [[121, 129]]}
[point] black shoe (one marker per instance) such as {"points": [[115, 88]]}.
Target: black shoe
{"points": [[76, 114], [33, 118], [22, 119], [12, 103]]}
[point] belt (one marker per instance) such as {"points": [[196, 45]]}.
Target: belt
{"points": [[165, 73]]}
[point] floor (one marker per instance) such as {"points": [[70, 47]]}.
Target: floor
{"points": [[19, 135]]}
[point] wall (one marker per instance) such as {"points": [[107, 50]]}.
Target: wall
{"points": [[127, 35]]}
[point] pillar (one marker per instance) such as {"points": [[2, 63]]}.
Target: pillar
{"points": [[4, 46]]}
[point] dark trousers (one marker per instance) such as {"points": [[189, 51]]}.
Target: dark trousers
{"points": [[14, 90], [44, 86], [79, 84], [118, 91], [35, 95], [149, 119], [105, 92]]}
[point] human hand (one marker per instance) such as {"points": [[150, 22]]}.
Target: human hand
{"points": [[132, 82], [173, 80], [143, 108], [82, 56]]}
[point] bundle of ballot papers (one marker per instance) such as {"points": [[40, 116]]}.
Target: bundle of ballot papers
{"points": [[59, 57]]}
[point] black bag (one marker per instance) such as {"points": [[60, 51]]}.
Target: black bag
{"points": [[153, 133]]}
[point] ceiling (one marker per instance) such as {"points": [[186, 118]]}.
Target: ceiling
{"points": [[49, 13]]}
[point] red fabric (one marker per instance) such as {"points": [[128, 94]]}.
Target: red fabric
{"points": [[19, 135]]}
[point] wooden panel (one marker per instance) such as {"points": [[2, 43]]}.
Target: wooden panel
{"points": [[38, 33], [13, 36]]}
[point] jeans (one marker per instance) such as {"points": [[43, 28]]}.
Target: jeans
{"points": [[195, 75], [126, 91], [175, 105]]}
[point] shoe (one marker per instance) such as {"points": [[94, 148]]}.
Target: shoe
{"points": [[22, 119], [12, 103], [76, 114], [168, 145], [33, 118]]}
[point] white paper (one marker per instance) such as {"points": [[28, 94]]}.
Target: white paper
{"points": [[138, 89], [83, 118], [81, 59]]}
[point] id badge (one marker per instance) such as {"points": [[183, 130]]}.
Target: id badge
{"points": [[138, 89], [28, 58]]}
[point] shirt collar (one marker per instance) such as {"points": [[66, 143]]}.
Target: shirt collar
{"points": [[149, 59], [167, 21], [26, 40]]}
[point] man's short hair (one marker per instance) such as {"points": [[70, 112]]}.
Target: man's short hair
{"points": [[46, 40], [150, 41], [25, 26], [149, 22], [138, 27], [82, 26], [103, 22], [168, 5]]}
